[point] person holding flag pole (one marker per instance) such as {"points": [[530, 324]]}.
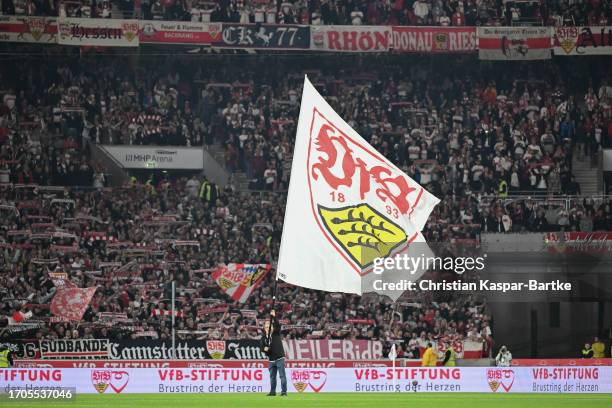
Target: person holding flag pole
{"points": [[348, 208], [272, 346]]}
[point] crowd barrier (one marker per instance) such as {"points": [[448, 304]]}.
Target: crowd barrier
{"points": [[356, 379]]}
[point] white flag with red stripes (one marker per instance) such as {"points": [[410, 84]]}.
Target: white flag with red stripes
{"points": [[239, 280], [514, 43]]}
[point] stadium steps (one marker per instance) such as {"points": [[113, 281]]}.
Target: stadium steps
{"points": [[116, 13], [115, 174], [586, 173], [239, 179]]}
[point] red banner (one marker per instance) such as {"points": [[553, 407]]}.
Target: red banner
{"points": [[533, 362], [578, 241], [70, 303], [578, 236], [179, 32], [463, 349], [350, 38], [197, 363], [434, 39]]}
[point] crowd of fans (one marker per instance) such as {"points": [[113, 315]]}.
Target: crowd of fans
{"points": [[460, 134], [338, 12], [467, 128], [167, 232]]}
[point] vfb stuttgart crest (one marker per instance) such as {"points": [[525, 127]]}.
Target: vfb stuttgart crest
{"points": [[116, 380], [361, 204], [215, 31], [567, 37], [129, 30], [302, 379], [36, 27], [498, 377], [216, 348], [441, 41]]}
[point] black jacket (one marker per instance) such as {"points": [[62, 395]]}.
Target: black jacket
{"points": [[274, 343]]}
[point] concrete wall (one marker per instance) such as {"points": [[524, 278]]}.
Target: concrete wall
{"points": [[520, 257]]}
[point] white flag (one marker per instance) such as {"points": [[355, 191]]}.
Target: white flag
{"points": [[393, 352], [347, 204]]}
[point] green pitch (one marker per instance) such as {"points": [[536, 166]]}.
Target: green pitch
{"points": [[332, 400]]}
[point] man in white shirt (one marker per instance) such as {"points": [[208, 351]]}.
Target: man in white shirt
{"points": [[421, 10], [193, 186], [504, 357], [356, 17]]}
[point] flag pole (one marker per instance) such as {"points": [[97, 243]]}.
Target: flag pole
{"points": [[173, 321], [272, 308]]}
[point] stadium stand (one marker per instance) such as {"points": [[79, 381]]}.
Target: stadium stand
{"points": [[461, 134], [332, 12]]}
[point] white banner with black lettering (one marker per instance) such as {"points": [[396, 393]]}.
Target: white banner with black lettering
{"points": [[74, 348], [582, 41], [157, 157], [366, 380], [98, 32]]}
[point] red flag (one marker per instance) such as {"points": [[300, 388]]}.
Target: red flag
{"points": [[239, 280], [70, 303]]}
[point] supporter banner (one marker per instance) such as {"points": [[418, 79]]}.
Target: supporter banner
{"points": [[514, 43], [245, 349], [28, 29], [78, 348], [565, 362], [179, 32], [463, 349], [350, 38], [148, 349], [156, 157], [98, 32], [434, 39], [264, 36], [365, 380], [197, 364], [332, 349], [578, 241], [582, 41], [102, 363]]}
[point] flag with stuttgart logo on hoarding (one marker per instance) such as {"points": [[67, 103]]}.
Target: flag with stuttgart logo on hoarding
{"points": [[347, 204]]}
